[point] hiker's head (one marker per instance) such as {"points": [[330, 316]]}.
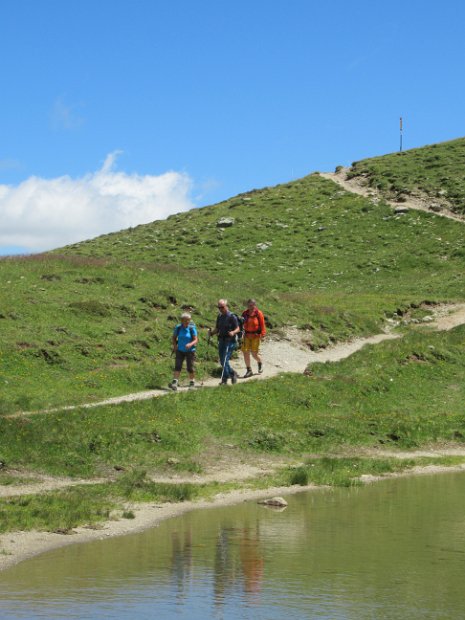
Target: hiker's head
{"points": [[251, 304], [223, 305], [185, 318]]}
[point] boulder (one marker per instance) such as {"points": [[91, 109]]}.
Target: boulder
{"points": [[225, 222], [280, 502]]}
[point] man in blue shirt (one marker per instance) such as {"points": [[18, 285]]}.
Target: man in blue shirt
{"points": [[184, 340], [227, 326]]}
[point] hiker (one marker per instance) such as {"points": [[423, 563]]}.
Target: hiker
{"points": [[184, 341], [254, 332], [227, 326]]}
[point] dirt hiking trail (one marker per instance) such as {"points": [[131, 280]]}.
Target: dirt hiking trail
{"points": [[419, 202], [287, 353]]}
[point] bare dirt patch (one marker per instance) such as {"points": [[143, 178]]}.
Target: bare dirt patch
{"points": [[420, 201]]}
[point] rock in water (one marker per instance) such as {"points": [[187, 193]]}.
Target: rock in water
{"points": [[274, 501]]}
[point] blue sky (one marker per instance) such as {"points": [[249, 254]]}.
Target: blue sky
{"points": [[118, 112]]}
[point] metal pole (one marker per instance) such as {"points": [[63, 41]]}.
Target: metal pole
{"points": [[401, 134]]}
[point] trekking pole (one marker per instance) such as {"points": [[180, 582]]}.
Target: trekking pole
{"points": [[208, 345]]}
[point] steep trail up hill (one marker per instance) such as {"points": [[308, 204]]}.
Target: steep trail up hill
{"points": [[355, 186]]}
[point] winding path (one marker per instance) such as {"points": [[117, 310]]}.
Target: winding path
{"points": [[412, 202], [287, 354]]}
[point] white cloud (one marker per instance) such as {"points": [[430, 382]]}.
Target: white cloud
{"points": [[42, 214]]}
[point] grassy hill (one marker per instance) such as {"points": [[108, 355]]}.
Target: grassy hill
{"points": [[436, 172], [94, 319]]}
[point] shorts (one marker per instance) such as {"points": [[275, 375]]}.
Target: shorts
{"points": [[250, 343], [189, 356]]}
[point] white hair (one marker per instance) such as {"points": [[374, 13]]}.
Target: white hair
{"points": [[186, 315]]}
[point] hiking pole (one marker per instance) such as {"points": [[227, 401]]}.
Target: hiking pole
{"points": [[208, 344]]}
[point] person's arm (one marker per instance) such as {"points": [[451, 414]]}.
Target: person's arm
{"points": [[236, 329], [261, 320], [213, 331], [174, 342], [194, 340]]}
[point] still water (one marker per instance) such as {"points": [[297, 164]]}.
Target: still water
{"points": [[392, 550]]}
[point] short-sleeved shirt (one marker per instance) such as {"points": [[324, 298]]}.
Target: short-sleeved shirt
{"points": [[226, 323], [185, 335]]}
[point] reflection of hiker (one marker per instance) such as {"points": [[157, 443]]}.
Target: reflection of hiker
{"points": [[227, 326], [252, 560], [184, 341], [254, 332]]}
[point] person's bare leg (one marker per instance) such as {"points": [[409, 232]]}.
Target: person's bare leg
{"points": [[248, 372]]}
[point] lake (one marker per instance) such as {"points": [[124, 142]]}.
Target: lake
{"points": [[391, 550]]}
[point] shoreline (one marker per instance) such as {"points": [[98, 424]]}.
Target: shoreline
{"points": [[16, 547]]}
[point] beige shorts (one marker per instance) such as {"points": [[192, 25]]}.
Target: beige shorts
{"points": [[251, 344]]}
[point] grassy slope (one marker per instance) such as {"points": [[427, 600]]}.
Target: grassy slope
{"points": [[399, 394], [94, 319], [437, 170]]}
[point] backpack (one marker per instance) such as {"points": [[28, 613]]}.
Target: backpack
{"points": [[256, 320], [240, 334]]}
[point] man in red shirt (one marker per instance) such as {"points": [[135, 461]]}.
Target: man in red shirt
{"points": [[254, 332]]}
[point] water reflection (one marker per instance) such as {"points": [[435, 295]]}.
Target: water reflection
{"points": [[394, 550], [239, 561]]}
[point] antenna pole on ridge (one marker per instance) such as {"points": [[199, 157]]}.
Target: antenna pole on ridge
{"points": [[401, 130]]}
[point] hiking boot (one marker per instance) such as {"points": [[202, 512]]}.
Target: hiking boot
{"points": [[234, 378], [260, 368], [191, 385], [223, 382], [173, 385], [248, 374]]}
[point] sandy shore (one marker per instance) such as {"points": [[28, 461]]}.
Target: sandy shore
{"points": [[16, 547]]}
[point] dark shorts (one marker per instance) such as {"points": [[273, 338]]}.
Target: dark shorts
{"points": [[189, 356]]}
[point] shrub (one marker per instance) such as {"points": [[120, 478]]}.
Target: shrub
{"points": [[299, 476]]}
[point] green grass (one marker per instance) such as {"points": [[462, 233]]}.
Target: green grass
{"points": [[94, 319], [345, 471], [54, 511], [436, 170], [9, 480], [401, 393], [89, 505]]}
